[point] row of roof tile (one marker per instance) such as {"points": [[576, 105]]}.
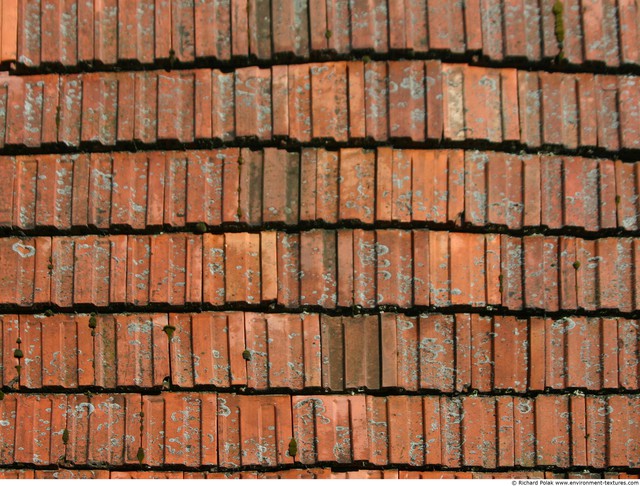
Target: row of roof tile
{"points": [[147, 31], [342, 101], [377, 268], [232, 431], [271, 186], [444, 353], [306, 473]]}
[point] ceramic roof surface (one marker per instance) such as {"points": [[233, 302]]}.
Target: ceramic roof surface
{"points": [[320, 239]]}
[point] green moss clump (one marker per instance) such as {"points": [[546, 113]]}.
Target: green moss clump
{"points": [[576, 265], [18, 353], [293, 447], [558, 9], [169, 330], [328, 34], [140, 455], [246, 354], [93, 322], [65, 436], [201, 228]]}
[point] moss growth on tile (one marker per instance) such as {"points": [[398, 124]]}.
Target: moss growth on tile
{"points": [[17, 353], [169, 330], [58, 118], [328, 34], [576, 265], [65, 436], [201, 228], [558, 10], [293, 447], [140, 455], [93, 321], [246, 354], [48, 313]]}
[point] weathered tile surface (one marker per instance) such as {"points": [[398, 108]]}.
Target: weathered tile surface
{"points": [[376, 239]]}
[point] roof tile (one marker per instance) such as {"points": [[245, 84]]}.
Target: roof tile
{"points": [[480, 431], [244, 441], [158, 265], [146, 33], [505, 237], [378, 430]]}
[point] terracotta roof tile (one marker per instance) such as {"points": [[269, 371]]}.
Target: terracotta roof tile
{"points": [[150, 32], [501, 270], [445, 353], [477, 104], [308, 473], [173, 189], [374, 239]]}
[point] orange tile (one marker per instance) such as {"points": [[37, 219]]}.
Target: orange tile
{"points": [[511, 359], [378, 430], [505, 431], [329, 101], [479, 431], [552, 435], [362, 352], [253, 103], [62, 273], [285, 360], [318, 272], [46, 363], [250, 198], [482, 350], [407, 102], [281, 187], [524, 432], [597, 410], [146, 110], [338, 424], [437, 352], [394, 264], [245, 441], [142, 350], [296, 18], [213, 349], [242, 266], [44, 419]]}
